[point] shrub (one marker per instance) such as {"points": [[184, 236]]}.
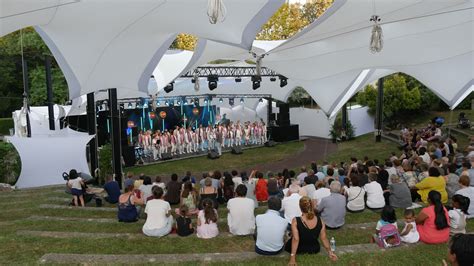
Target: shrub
{"points": [[336, 130], [105, 162], [10, 163]]}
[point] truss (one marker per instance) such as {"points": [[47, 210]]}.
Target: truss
{"points": [[229, 72]]}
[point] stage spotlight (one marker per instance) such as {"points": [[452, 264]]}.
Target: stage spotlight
{"points": [[169, 87], [231, 101], [196, 102], [221, 100], [273, 79], [205, 101], [241, 100], [256, 82], [283, 81], [138, 104], [130, 105], [238, 79], [260, 100], [158, 103], [145, 104], [166, 103], [171, 103], [212, 82]]}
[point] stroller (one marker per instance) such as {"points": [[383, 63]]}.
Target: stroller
{"points": [[463, 122]]}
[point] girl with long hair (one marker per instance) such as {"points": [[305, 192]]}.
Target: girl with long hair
{"points": [[207, 220]]}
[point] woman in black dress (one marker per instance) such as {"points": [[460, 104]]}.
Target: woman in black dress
{"points": [[305, 233]]}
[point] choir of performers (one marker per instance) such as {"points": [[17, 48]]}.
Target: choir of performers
{"points": [[181, 140]]}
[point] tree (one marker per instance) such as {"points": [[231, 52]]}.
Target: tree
{"points": [[184, 42], [314, 9], [398, 98], [286, 22]]}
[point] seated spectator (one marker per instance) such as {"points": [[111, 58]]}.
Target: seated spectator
{"points": [[452, 181], [207, 221], [423, 171], [342, 175], [433, 221], [272, 187], [332, 208], [208, 191], [215, 182], [261, 191], [382, 179], [311, 178], [458, 214], [159, 219], [302, 175], [173, 189], [355, 196], [236, 178], [241, 219], [467, 191], [228, 185], [127, 209], [309, 188], [189, 177], [400, 196], [159, 183], [271, 229], [189, 198], [321, 192], [305, 233], [250, 185], [290, 203], [184, 226], [329, 176], [409, 176], [145, 189], [113, 190], [461, 250], [375, 199], [434, 182]]}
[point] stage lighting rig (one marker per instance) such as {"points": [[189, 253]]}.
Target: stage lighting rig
{"points": [[241, 100], [283, 81], [212, 82], [169, 87], [273, 79], [238, 79], [231, 101], [221, 100], [256, 82]]}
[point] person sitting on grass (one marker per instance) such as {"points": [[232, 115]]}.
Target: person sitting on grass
{"points": [[461, 250], [159, 220], [189, 198], [127, 204], [409, 233], [433, 221], [467, 191], [332, 208], [387, 216], [207, 221], [305, 233], [113, 190], [208, 191], [434, 182], [290, 203], [458, 215], [241, 219], [355, 195], [373, 189], [271, 229], [145, 189], [261, 191], [184, 226], [75, 183], [400, 195], [173, 189]]}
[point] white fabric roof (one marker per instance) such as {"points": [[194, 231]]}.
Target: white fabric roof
{"points": [[421, 38]]}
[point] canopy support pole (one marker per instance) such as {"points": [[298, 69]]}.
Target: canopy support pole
{"points": [[92, 129], [379, 111], [49, 91], [344, 117], [26, 96], [115, 135]]}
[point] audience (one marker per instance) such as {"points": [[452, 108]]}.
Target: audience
{"points": [[241, 219], [271, 229], [434, 182], [409, 234], [332, 208], [306, 229], [400, 196], [173, 189], [433, 221], [375, 199], [184, 226], [113, 190], [145, 188], [236, 178], [159, 220], [261, 191], [208, 192], [189, 198], [127, 209], [290, 203], [458, 215], [452, 181], [355, 195], [321, 192], [461, 250], [467, 191], [207, 221], [228, 185], [302, 175], [250, 185]]}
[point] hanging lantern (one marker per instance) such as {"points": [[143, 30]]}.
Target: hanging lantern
{"points": [[376, 38], [216, 11], [130, 124], [152, 115], [195, 111], [163, 114]]}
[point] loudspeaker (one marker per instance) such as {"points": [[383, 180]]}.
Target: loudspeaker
{"points": [[270, 143], [284, 133], [213, 155], [283, 114], [128, 153], [236, 150], [166, 156]]}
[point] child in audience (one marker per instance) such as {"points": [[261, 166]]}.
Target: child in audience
{"points": [[75, 183], [409, 233], [207, 220], [184, 226], [457, 216], [388, 216]]}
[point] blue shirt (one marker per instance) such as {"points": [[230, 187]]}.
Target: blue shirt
{"points": [[341, 179], [271, 228], [113, 190]]}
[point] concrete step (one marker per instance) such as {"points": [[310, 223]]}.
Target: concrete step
{"points": [[67, 235], [64, 207]]}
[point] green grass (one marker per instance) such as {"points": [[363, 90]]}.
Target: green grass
{"points": [[5, 125], [227, 161]]}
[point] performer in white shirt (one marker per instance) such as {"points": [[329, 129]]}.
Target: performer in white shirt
{"points": [[231, 137], [155, 146], [188, 140], [181, 143], [238, 135], [195, 140], [247, 134], [210, 138], [173, 142]]}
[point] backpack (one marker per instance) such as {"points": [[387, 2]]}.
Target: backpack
{"points": [[388, 236]]}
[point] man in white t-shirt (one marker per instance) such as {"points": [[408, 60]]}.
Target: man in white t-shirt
{"points": [[241, 219], [159, 220], [290, 205], [375, 199], [321, 192], [236, 178]]}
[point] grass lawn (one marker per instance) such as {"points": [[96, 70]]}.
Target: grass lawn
{"points": [[227, 161]]}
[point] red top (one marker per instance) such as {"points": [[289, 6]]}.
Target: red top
{"points": [[261, 191], [428, 232]]}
